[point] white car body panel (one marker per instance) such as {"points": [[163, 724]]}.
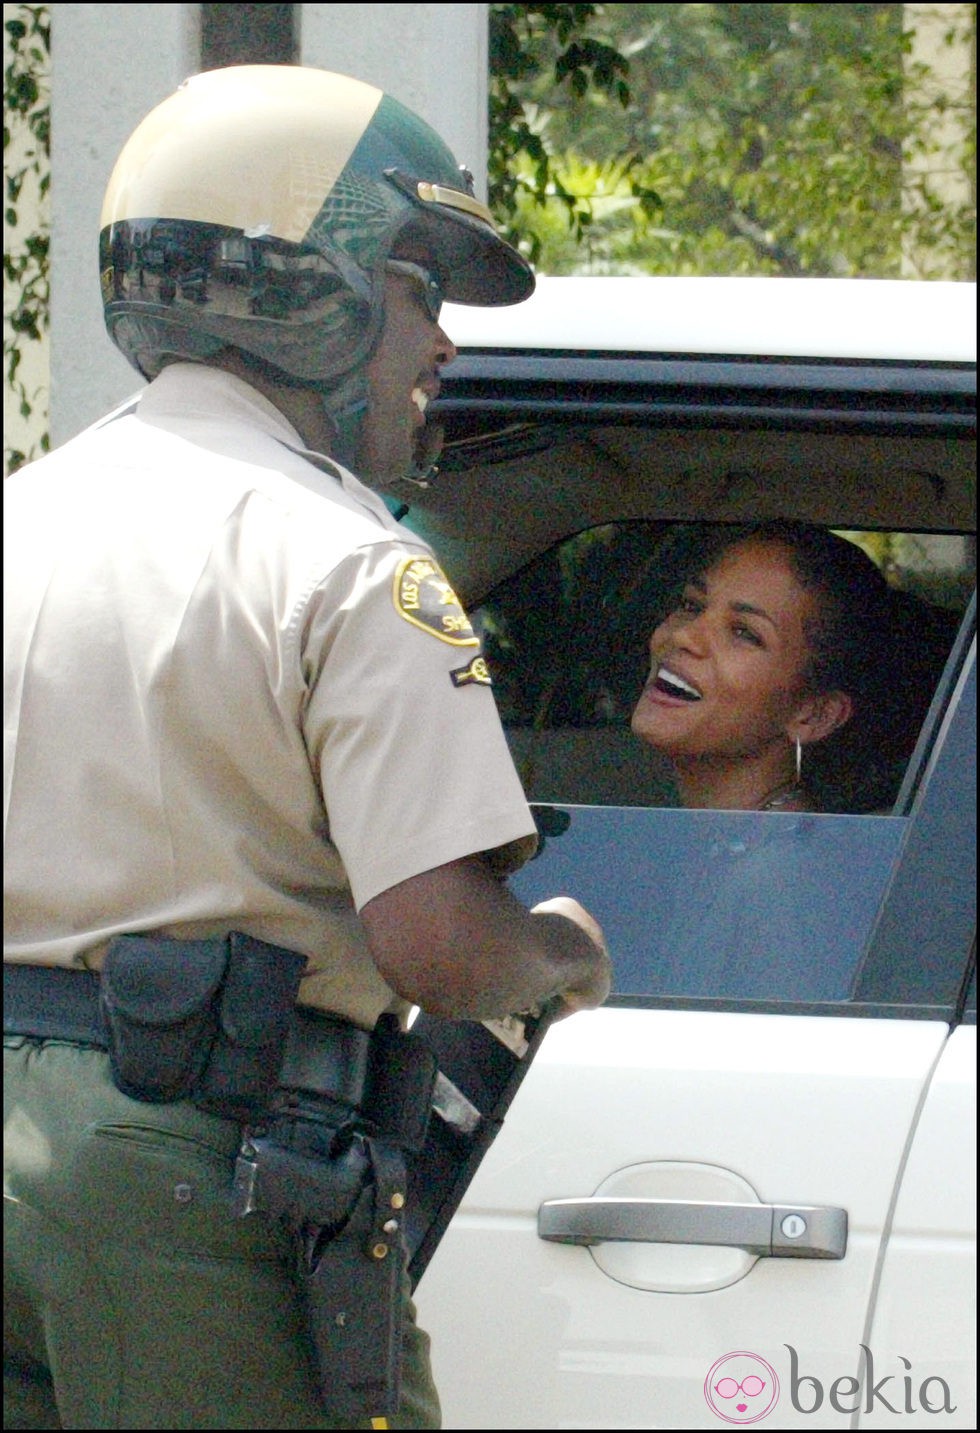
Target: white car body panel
{"points": [[925, 1310], [881, 319], [802, 1109]]}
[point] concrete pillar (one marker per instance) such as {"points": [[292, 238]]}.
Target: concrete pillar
{"points": [[938, 171], [22, 432], [433, 58], [110, 65]]}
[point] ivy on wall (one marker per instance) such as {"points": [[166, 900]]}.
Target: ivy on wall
{"points": [[27, 177]]}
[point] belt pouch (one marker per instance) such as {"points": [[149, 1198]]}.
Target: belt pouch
{"points": [[256, 1006], [159, 1005], [401, 1076]]}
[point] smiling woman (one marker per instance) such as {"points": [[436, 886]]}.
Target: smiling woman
{"points": [[781, 637]]}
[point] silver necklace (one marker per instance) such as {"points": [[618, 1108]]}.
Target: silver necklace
{"points": [[780, 796]]}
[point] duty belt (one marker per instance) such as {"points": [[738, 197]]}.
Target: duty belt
{"points": [[337, 1141], [465, 1073], [328, 1112], [323, 1055]]}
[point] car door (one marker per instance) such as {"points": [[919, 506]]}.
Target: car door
{"points": [[924, 1296], [688, 1217]]}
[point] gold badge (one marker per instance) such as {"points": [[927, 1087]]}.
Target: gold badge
{"points": [[423, 597]]}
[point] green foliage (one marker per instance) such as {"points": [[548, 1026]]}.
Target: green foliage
{"points": [[728, 139], [26, 146], [547, 47]]}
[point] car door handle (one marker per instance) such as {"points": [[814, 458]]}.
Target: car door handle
{"points": [[783, 1231]]}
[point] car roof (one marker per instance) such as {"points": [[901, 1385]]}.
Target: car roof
{"points": [[877, 319], [845, 402]]}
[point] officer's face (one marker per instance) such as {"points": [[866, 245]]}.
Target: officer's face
{"points": [[402, 375]]}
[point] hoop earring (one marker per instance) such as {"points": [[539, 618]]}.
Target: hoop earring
{"points": [[799, 762]]}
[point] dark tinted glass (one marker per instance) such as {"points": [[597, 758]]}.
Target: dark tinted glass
{"points": [[730, 905]]}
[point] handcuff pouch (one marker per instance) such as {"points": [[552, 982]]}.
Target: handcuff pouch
{"points": [[256, 1005], [159, 1005]]}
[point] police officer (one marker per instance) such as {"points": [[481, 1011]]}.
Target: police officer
{"points": [[257, 797]]}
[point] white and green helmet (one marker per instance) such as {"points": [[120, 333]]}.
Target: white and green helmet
{"points": [[256, 208]]}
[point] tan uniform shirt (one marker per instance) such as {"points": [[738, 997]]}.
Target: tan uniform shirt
{"points": [[237, 695]]}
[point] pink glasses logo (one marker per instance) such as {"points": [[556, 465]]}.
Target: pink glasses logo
{"points": [[741, 1388]]}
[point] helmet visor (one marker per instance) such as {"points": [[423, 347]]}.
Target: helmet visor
{"points": [[476, 265]]}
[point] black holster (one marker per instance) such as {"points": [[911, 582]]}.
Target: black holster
{"points": [[331, 1117], [331, 1112], [343, 1204]]}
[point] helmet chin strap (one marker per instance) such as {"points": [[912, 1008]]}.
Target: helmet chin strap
{"points": [[345, 406], [424, 469]]}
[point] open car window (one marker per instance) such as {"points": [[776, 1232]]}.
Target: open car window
{"points": [[726, 906], [566, 639]]}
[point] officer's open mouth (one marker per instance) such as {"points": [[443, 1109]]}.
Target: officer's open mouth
{"points": [[673, 685]]}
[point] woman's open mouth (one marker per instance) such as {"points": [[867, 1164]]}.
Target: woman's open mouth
{"points": [[672, 684]]}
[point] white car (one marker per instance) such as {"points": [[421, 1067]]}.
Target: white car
{"points": [[712, 1204]]}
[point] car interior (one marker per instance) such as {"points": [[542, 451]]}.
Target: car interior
{"points": [[558, 539]]}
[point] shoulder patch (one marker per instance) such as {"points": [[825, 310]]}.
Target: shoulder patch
{"points": [[474, 671], [423, 597]]}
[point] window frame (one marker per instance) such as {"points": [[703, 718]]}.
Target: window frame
{"points": [[502, 387], [937, 865], [499, 403]]}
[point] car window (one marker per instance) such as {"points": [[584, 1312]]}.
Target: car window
{"points": [[701, 905], [566, 640], [969, 1002], [729, 905]]}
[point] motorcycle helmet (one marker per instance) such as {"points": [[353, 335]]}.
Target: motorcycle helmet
{"points": [[256, 209]]}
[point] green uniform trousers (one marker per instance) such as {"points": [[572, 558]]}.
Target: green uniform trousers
{"points": [[134, 1298]]}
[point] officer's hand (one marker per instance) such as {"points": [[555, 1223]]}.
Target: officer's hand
{"points": [[590, 987], [455, 941]]}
